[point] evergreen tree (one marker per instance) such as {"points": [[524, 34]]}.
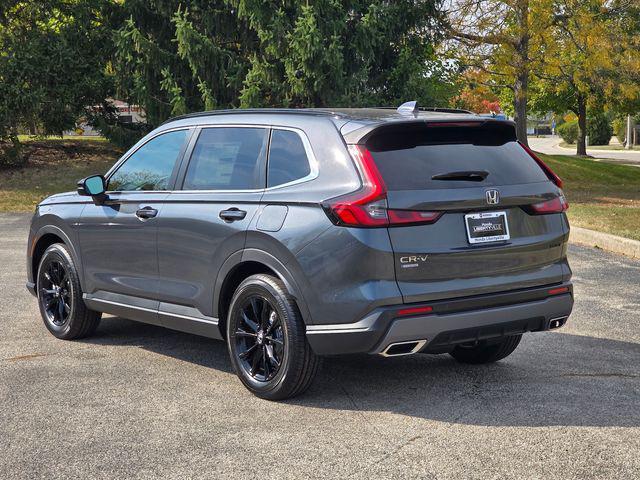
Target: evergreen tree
{"points": [[173, 59]]}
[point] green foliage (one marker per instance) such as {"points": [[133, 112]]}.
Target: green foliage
{"points": [[11, 153], [171, 59], [569, 131], [53, 55], [620, 128], [599, 129]]}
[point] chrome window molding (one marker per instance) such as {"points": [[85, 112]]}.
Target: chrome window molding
{"points": [[311, 158], [133, 150]]}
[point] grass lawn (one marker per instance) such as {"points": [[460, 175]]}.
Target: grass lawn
{"points": [[54, 166], [602, 196]]}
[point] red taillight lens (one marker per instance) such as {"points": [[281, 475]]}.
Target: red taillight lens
{"points": [[555, 205], [547, 170], [414, 311], [368, 206], [404, 217]]}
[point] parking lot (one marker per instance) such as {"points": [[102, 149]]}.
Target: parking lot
{"points": [[141, 401]]}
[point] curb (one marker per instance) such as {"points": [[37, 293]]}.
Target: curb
{"points": [[605, 241]]}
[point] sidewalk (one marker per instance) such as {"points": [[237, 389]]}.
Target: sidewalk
{"points": [[551, 146]]}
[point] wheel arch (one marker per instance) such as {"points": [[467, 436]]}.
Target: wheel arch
{"points": [[243, 264], [45, 237]]}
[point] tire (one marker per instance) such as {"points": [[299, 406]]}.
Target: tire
{"points": [[60, 296], [486, 352], [267, 341]]}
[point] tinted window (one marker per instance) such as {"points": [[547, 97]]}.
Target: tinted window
{"points": [[150, 167], [407, 160], [227, 159], [287, 158]]}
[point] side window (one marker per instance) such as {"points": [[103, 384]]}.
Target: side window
{"points": [[150, 167], [287, 158], [227, 158]]}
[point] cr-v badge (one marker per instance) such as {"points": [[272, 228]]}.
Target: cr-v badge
{"points": [[413, 261], [492, 196]]}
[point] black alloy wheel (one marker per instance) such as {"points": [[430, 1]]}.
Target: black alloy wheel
{"points": [[56, 293], [266, 339], [62, 308], [259, 339]]}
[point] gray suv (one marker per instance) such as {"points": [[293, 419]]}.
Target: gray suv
{"points": [[293, 234]]}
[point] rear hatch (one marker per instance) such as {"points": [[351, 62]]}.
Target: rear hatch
{"points": [[470, 210]]}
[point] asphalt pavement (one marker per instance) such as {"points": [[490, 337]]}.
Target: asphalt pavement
{"points": [[138, 401], [551, 146]]}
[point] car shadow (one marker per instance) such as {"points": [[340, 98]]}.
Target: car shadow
{"points": [[552, 379]]}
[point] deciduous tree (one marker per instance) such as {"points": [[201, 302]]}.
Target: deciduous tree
{"points": [[53, 56]]}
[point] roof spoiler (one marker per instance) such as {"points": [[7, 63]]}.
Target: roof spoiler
{"points": [[362, 134]]}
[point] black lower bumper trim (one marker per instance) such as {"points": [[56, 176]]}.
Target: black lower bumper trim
{"points": [[443, 327]]}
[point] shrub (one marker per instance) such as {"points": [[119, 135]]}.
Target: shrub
{"points": [[11, 154], [569, 131], [620, 128], [122, 135], [599, 130]]}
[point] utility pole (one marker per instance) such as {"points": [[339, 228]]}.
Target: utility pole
{"points": [[629, 133]]}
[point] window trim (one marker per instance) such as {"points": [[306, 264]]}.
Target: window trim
{"points": [[311, 159], [176, 166]]}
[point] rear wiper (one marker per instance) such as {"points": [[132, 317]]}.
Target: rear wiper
{"points": [[466, 175]]}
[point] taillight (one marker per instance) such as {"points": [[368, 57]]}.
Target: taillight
{"points": [[547, 170], [555, 205], [368, 206]]}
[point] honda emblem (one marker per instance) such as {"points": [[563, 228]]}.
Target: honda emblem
{"points": [[493, 197]]}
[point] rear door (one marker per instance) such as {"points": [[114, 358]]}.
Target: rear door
{"points": [[489, 237], [205, 219]]}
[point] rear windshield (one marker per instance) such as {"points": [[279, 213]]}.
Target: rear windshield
{"points": [[408, 158]]}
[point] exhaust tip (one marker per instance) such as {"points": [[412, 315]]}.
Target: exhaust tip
{"points": [[398, 349], [557, 322]]}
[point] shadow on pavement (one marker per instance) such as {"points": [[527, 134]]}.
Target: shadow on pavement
{"points": [[552, 379]]}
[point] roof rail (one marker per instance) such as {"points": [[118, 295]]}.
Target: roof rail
{"points": [[444, 110], [303, 111], [432, 109]]}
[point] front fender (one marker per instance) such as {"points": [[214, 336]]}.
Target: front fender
{"points": [[51, 224]]}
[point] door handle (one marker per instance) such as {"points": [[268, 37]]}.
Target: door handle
{"points": [[146, 213], [232, 214]]}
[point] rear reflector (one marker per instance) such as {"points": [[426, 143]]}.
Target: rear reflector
{"points": [[555, 205], [550, 173], [414, 311], [558, 291]]}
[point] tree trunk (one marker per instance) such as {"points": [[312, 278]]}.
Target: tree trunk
{"points": [[521, 84], [582, 126], [520, 105]]}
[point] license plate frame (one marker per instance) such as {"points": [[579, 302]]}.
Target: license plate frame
{"points": [[475, 233]]}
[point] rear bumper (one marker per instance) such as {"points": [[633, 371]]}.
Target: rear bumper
{"points": [[452, 322]]}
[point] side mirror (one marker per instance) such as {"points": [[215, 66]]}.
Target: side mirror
{"points": [[94, 186]]}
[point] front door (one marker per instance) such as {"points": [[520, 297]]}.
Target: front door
{"points": [[118, 238]]}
